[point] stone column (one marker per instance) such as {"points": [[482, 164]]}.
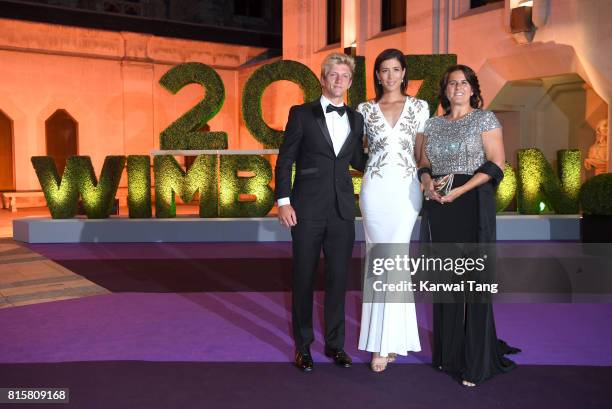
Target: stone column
{"points": [[609, 139], [137, 99], [297, 30], [419, 27]]}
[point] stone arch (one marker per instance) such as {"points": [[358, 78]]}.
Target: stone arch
{"points": [[544, 98], [7, 153], [61, 137], [537, 62]]}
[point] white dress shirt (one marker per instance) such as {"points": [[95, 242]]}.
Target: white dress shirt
{"points": [[338, 126], [339, 129]]}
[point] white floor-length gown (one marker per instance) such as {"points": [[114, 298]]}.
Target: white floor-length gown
{"points": [[390, 202]]}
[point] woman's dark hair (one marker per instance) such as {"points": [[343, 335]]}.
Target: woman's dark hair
{"points": [[388, 54], [476, 100]]}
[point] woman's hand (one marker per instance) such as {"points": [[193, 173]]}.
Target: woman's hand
{"points": [[429, 189], [452, 195]]}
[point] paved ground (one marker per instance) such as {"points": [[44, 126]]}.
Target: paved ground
{"points": [[27, 277]]}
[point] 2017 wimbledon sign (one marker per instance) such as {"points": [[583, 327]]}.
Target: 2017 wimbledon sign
{"points": [[239, 185]]}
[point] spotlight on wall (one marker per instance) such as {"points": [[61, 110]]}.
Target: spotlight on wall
{"points": [[352, 50], [521, 24], [526, 16]]}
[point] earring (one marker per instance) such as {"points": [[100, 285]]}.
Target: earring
{"points": [[379, 82]]}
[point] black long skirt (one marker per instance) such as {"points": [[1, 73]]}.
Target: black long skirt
{"points": [[464, 339]]}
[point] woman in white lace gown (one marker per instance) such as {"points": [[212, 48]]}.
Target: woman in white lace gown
{"points": [[390, 199]]}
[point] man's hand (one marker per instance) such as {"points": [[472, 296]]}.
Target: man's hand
{"points": [[286, 216]]}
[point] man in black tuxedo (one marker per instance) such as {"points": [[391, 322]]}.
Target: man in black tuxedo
{"points": [[322, 138]]}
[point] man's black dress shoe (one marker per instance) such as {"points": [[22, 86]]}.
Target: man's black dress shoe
{"points": [[340, 357], [303, 360]]}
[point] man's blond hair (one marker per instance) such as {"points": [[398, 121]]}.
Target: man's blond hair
{"points": [[337, 58]]}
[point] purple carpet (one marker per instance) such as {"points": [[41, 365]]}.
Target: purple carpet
{"points": [[197, 385], [221, 302], [208, 325], [254, 327]]}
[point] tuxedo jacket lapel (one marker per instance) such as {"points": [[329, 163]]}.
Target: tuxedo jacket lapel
{"points": [[320, 117], [352, 124]]}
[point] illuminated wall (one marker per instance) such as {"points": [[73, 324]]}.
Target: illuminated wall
{"points": [[108, 82], [568, 40]]}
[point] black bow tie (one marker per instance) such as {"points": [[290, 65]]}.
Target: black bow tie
{"points": [[340, 110]]}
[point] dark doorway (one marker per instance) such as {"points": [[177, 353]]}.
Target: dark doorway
{"points": [[7, 178], [61, 135]]}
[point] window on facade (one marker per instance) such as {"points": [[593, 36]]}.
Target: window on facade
{"points": [[334, 8], [128, 7], [6, 153], [111, 7], [249, 8], [131, 10], [393, 14], [61, 133], [479, 3]]}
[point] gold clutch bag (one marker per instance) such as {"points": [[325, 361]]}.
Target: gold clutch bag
{"points": [[443, 184]]}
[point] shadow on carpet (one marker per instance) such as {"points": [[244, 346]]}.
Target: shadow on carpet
{"points": [[197, 275]]}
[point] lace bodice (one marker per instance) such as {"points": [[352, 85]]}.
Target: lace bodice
{"points": [[391, 149]]}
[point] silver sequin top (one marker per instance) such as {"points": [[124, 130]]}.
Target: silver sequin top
{"points": [[456, 146]]}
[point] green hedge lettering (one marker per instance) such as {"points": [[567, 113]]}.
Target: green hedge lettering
{"points": [[232, 185], [256, 85], [184, 133], [170, 179]]}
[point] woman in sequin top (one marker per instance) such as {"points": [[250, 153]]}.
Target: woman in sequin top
{"points": [[466, 142]]}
